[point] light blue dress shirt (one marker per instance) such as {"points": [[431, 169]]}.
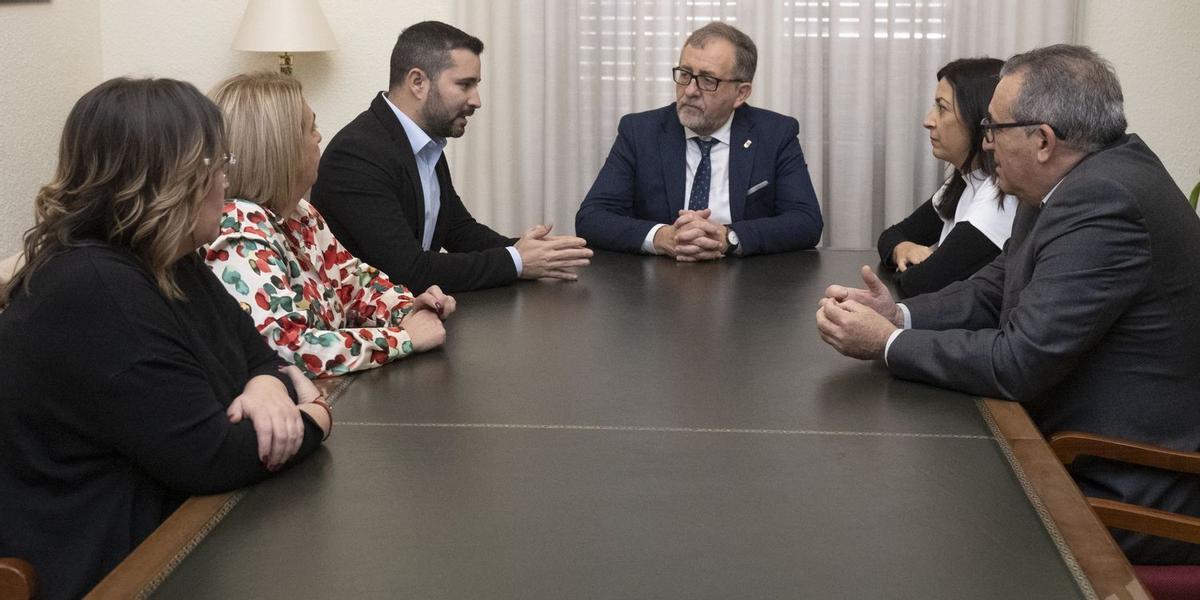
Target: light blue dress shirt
{"points": [[428, 151]]}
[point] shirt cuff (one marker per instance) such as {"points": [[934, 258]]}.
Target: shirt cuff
{"points": [[895, 334], [516, 256], [891, 338], [648, 243]]}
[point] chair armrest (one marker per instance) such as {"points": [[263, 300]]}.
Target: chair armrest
{"points": [[17, 579], [1147, 520], [1070, 444]]}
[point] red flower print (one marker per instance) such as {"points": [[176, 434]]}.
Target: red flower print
{"points": [[312, 362]]}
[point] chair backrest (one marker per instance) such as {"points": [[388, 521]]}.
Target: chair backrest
{"points": [[1164, 582], [17, 579]]}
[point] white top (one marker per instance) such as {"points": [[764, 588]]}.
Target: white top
{"points": [[978, 206]]}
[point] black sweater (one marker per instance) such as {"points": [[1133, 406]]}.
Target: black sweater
{"points": [[112, 409], [965, 251]]}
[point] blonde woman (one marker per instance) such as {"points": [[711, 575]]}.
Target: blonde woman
{"points": [[131, 379], [321, 308]]}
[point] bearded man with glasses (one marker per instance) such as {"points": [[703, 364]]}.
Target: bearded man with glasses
{"points": [[708, 176]]}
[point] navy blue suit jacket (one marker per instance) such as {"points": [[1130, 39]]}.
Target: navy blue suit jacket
{"points": [[642, 183]]}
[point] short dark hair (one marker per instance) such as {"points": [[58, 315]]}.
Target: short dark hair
{"points": [[973, 81], [1072, 89], [426, 46], [745, 59]]}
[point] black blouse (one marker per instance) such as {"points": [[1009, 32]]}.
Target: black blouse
{"points": [[112, 409], [964, 251]]}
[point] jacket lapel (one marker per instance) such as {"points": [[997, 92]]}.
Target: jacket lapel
{"points": [[673, 153], [1018, 257], [408, 161], [741, 162]]}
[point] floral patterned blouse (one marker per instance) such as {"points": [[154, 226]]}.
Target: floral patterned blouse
{"points": [[319, 307]]}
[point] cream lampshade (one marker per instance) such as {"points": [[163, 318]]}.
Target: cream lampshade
{"points": [[283, 26]]}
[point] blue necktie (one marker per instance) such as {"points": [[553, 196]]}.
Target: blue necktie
{"points": [[703, 178]]}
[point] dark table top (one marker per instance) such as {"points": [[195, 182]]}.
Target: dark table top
{"points": [[654, 430]]}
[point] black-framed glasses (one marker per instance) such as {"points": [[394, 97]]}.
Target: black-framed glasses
{"points": [[706, 83], [989, 128]]}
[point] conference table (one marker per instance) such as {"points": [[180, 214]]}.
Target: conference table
{"points": [[653, 430]]}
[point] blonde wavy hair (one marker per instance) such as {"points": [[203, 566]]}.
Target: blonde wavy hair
{"points": [[134, 164], [265, 115]]}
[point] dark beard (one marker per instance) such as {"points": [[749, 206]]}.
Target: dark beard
{"points": [[439, 120]]}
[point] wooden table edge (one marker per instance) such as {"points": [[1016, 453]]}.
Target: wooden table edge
{"points": [[157, 556], [1085, 543]]}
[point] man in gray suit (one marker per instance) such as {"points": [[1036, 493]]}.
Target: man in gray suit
{"points": [[1091, 315]]}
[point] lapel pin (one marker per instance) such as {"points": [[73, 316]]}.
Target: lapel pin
{"points": [[747, 144]]}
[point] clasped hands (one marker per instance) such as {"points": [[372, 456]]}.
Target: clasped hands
{"points": [[857, 322], [692, 237], [552, 256], [424, 321]]}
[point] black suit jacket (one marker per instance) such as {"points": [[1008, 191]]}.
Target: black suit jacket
{"points": [[369, 191], [1091, 318]]}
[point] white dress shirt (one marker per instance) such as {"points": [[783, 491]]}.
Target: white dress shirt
{"points": [[718, 189]]}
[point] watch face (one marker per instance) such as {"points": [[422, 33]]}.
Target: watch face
{"points": [[731, 240]]}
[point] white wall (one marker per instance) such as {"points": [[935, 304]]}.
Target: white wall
{"points": [[186, 39], [1155, 47], [54, 51], [49, 56]]}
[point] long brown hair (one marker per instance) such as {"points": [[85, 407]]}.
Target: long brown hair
{"points": [[134, 163], [973, 81]]}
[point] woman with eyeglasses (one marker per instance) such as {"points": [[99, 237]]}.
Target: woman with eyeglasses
{"points": [[966, 222], [321, 308], [131, 379]]}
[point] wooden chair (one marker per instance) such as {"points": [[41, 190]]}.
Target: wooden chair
{"points": [[1164, 582], [17, 579]]}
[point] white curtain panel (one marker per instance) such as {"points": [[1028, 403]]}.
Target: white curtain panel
{"points": [[859, 76]]}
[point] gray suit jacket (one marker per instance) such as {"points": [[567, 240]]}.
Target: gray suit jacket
{"points": [[1091, 319]]}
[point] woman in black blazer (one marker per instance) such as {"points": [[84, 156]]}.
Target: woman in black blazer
{"points": [[964, 225]]}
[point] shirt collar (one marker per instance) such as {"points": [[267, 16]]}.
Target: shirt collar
{"points": [[1047, 196], [721, 134], [417, 138]]}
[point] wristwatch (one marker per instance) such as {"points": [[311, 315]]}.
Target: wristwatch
{"points": [[731, 242]]}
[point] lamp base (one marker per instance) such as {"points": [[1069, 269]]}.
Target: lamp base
{"points": [[285, 63]]}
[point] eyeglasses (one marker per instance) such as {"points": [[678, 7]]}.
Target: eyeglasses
{"points": [[705, 83], [989, 128], [221, 163]]}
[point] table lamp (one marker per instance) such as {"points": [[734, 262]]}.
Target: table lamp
{"points": [[283, 26]]}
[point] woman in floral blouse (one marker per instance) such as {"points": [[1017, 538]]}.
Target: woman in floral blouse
{"points": [[321, 308]]}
